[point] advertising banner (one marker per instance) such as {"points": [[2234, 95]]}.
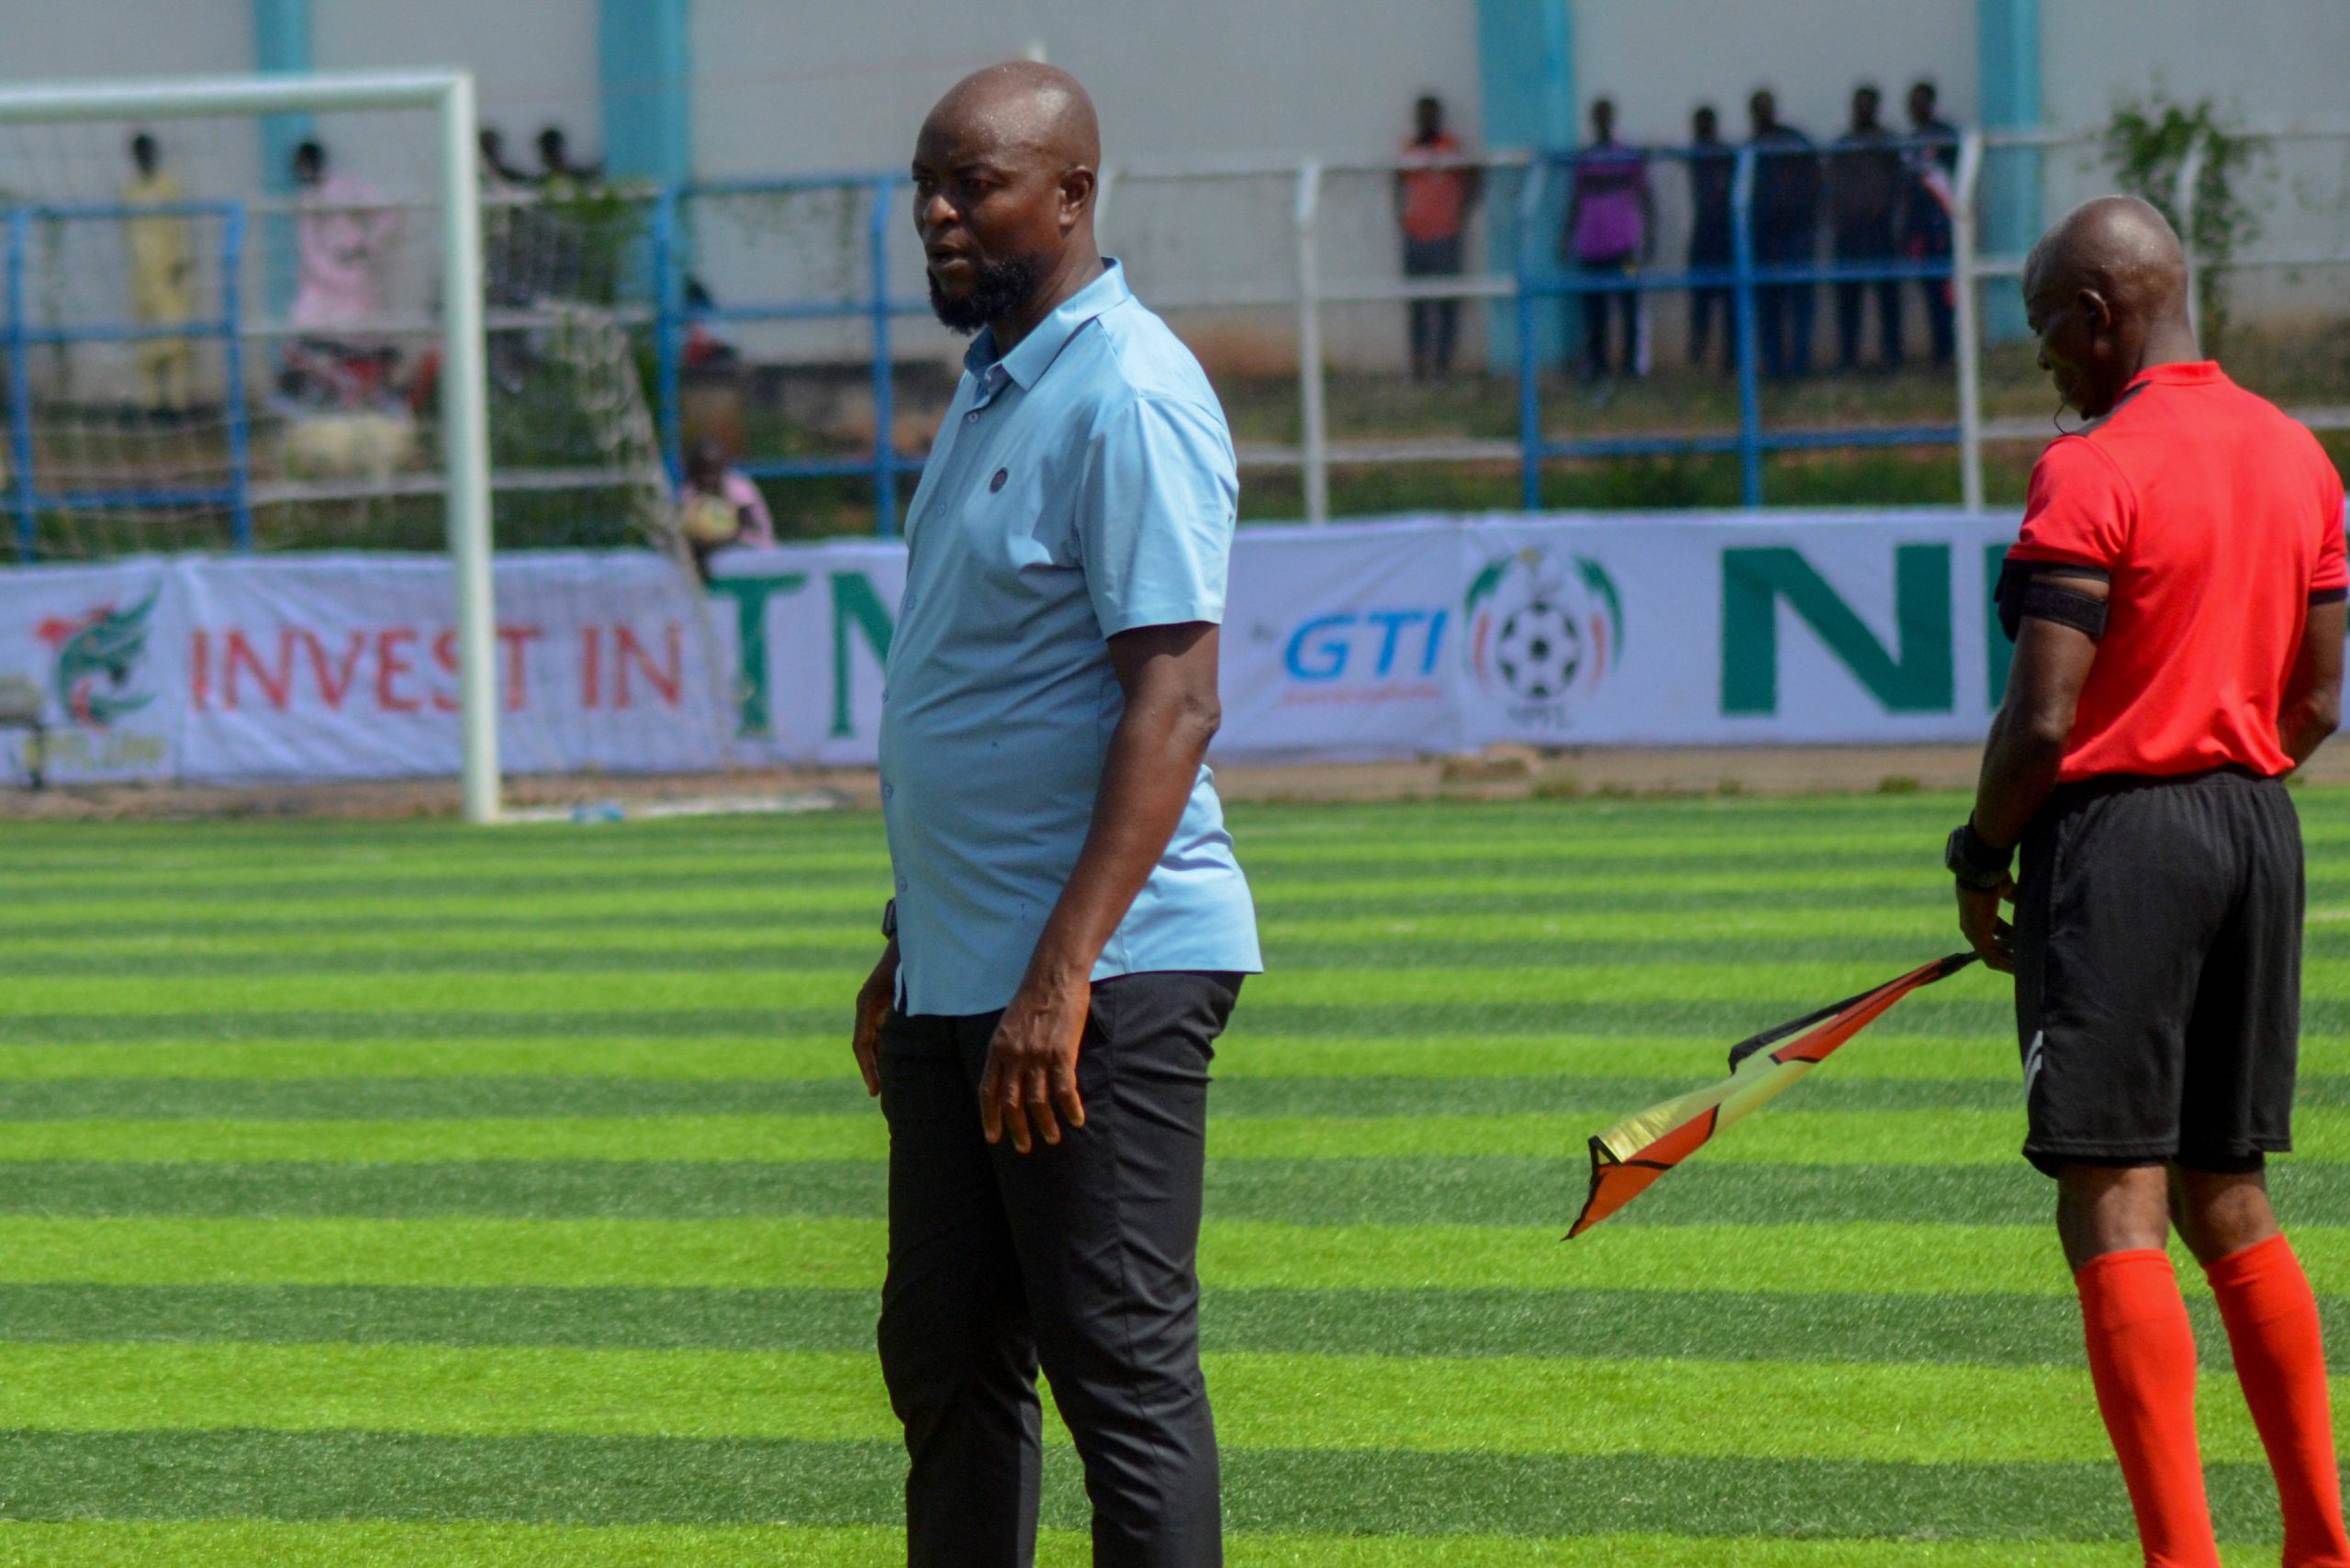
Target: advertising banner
{"points": [[1367, 639]]}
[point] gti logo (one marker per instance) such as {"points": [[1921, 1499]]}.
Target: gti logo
{"points": [[1377, 644]]}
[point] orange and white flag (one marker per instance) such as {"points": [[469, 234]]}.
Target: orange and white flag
{"points": [[1627, 1157]]}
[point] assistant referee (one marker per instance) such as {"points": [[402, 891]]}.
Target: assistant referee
{"points": [[2177, 601]]}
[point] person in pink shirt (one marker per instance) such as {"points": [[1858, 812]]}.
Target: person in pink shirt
{"points": [[1609, 221], [341, 240]]}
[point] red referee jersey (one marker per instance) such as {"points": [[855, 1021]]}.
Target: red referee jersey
{"points": [[2216, 519]]}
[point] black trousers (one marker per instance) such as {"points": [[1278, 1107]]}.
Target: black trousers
{"points": [[1597, 306], [1435, 323], [1927, 239], [1080, 1257], [1706, 303], [1783, 311], [1858, 247]]}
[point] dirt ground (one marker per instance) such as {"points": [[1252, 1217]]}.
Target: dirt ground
{"points": [[1503, 773]]}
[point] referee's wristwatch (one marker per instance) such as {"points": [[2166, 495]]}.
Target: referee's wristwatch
{"points": [[890, 920], [1978, 864]]}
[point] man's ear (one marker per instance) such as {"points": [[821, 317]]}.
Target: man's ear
{"points": [[2097, 312], [1076, 197]]}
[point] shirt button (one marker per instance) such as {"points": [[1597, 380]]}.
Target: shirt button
{"points": [[887, 790], [901, 884], [972, 418]]}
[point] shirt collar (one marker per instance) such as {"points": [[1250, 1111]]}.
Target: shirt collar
{"points": [[2188, 372], [1034, 354]]}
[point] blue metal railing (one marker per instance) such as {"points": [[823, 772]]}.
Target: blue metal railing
{"points": [[26, 497], [875, 304], [1537, 275], [1538, 279]]}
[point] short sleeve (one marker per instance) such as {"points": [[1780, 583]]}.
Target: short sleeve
{"points": [[2332, 573], [2080, 508], [1155, 515]]}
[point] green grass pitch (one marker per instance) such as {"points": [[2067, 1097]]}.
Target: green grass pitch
{"points": [[394, 1194]]}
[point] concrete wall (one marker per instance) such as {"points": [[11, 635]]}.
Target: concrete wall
{"points": [[798, 84], [1658, 59], [533, 63], [2266, 59]]}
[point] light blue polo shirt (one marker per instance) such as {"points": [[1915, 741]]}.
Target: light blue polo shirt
{"points": [[1083, 484]]}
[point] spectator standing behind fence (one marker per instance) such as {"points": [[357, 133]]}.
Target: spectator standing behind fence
{"points": [[1786, 220], [1609, 224], [1434, 196], [557, 172], [1713, 164], [1865, 180], [162, 277], [1928, 195], [341, 239]]}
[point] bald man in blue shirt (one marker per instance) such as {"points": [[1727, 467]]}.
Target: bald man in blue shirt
{"points": [[1071, 928]]}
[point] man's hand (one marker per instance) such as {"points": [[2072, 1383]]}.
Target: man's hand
{"points": [[1032, 1064], [1993, 939], [874, 999]]}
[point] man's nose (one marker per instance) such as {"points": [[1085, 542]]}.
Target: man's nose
{"points": [[935, 213]]}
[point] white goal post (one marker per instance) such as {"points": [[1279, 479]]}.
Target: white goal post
{"points": [[465, 415]]}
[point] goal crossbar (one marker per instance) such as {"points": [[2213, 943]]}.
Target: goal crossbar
{"points": [[465, 412]]}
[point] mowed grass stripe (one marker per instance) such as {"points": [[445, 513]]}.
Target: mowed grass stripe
{"points": [[1481, 1190], [848, 953], [806, 955], [337, 1545], [1589, 1325], [1906, 1260], [521, 991], [1459, 1191], [1778, 1137], [581, 1480], [1253, 1068], [1712, 1020], [1293, 1097], [1901, 1414], [562, 927]]}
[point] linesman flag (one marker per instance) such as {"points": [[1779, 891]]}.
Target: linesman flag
{"points": [[1627, 1157]]}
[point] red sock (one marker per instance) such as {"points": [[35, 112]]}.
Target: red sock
{"points": [[2142, 1358], [2265, 1301]]}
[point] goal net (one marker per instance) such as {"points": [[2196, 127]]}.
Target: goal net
{"points": [[243, 318]]}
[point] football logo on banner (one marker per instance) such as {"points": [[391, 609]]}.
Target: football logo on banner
{"points": [[1544, 628], [98, 654]]}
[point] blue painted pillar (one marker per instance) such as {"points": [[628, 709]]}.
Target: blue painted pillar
{"points": [[1526, 70], [644, 65], [2007, 47], [280, 45]]}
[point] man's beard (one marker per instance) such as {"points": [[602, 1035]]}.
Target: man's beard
{"points": [[997, 288]]}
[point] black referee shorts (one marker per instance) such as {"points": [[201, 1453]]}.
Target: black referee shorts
{"points": [[2158, 971]]}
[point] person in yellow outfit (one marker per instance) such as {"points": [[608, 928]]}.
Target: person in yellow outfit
{"points": [[162, 277]]}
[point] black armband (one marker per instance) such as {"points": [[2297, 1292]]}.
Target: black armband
{"points": [[2029, 587], [2329, 595]]}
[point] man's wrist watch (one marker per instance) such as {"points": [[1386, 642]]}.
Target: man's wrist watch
{"points": [[890, 920], [1976, 862]]}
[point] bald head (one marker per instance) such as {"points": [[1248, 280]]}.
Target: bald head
{"points": [[2104, 290], [1024, 107], [2122, 248], [1004, 177]]}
